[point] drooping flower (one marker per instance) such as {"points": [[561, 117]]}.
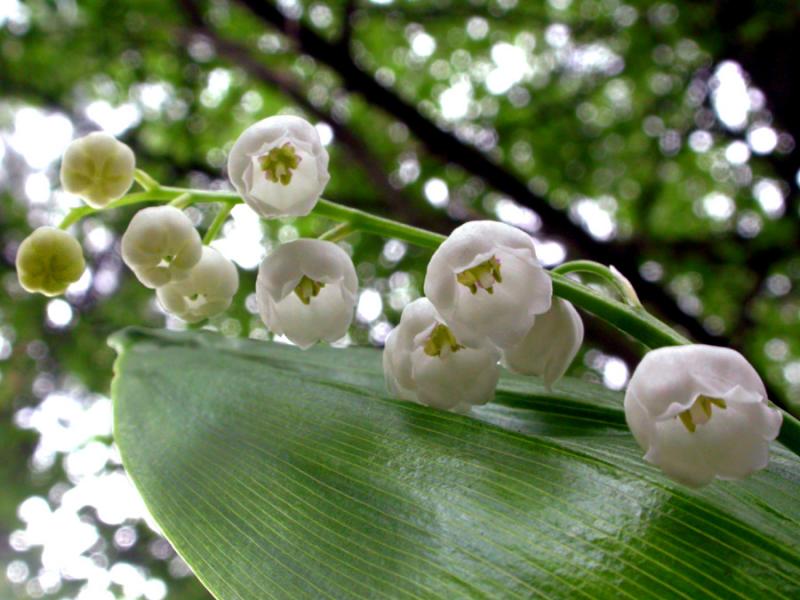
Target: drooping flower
{"points": [[98, 168], [48, 261], [701, 412], [206, 291], [486, 281], [306, 290], [161, 245], [550, 345], [279, 166], [424, 362]]}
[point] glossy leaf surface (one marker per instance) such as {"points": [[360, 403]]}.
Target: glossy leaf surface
{"points": [[278, 473]]}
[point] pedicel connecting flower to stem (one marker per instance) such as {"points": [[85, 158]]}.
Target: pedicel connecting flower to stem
{"points": [[98, 168], [161, 245], [306, 290], [206, 291], [279, 166], [701, 412], [48, 261], [424, 362], [550, 345], [486, 282]]}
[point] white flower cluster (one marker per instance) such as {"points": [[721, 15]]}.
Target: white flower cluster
{"points": [[280, 168], [306, 289], [165, 252], [488, 300], [699, 412]]}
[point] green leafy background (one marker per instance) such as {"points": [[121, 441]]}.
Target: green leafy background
{"points": [[186, 77]]}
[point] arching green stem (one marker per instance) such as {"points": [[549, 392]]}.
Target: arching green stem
{"points": [[145, 180], [608, 274], [76, 214], [635, 322], [362, 221]]}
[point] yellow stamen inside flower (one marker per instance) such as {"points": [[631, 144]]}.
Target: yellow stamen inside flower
{"points": [[441, 339], [308, 289], [700, 412], [279, 163], [483, 276]]}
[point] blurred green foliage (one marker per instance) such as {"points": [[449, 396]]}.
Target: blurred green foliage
{"points": [[618, 113]]}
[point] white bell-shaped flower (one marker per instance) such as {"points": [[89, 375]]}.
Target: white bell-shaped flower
{"points": [[486, 281], [279, 166], [98, 168], [701, 412], [550, 345], [424, 362], [306, 290], [207, 291], [161, 245]]}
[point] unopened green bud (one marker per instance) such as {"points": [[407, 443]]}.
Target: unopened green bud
{"points": [[48, 261], [98, 168]]}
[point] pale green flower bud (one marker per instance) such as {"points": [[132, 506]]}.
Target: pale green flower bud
{"points": [[98, 168], [48, 261]]}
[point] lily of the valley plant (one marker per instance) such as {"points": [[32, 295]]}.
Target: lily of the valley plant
{"points": [[698, 412]]}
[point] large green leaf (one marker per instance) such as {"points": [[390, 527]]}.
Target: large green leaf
{"points": [[285, 474]]}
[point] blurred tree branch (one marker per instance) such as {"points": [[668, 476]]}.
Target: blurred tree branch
{"points": [[764, 38], [348, 14]]}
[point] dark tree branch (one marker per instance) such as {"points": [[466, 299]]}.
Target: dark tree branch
{"points": [[348, 14], [771, 62]]}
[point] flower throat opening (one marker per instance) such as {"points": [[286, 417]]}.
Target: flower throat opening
{"points": [[700, 412], [308, 289], [441, 341], [482, 276], [279, 163]]}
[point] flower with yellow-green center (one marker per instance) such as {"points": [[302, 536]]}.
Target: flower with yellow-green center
{"points": [[424, 362], [48, 261], [701, 412], [486, 282], [306, 290], [279, 166], [98, 168]]}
